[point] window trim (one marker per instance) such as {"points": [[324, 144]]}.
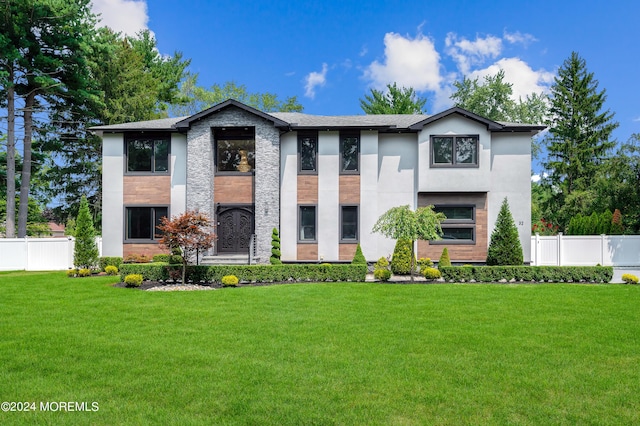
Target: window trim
{"points": [[357, 239], [232, 135], [302, 135], [129, 136], [152, 240], [344, 135], [298, 229], [458, 224], [454, 164]]}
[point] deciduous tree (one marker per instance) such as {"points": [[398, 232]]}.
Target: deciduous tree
{"points": [[402, 222], [189, 232], [396, 100]]}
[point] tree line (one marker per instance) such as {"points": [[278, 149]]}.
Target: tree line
{"points": [[61, 75]]}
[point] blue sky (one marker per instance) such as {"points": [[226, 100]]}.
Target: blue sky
{"points": [[331, 53]]}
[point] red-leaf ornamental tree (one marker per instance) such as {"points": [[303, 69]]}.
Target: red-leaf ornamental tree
{"points": [[190, 232]]}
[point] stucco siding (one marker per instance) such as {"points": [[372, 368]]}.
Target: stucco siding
{"points": [[112, 194], [328, 231], [178, 174], [289, 196], [368, 193]]}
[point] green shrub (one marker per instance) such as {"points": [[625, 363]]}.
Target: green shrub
{"points": [[425, 262], [382, 263], [629, 279], [431, 273], [133, 280], [71, 273], [590, 274], [111, 270], [275, 248], [444, 259], [401, 260], [85, 251], [161, 258], [137, 258], [176, 259], [84, 272], [505, 248], [382, 274], [105, 261], [358, 258], [230, 281]]}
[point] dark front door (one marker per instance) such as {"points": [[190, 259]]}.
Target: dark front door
{"points": [[235, 227]]}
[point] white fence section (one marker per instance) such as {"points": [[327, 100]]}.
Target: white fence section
{"points": [[38, 254], [586, 250]]}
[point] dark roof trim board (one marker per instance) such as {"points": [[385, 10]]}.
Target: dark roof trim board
{"points": [[185, 124], [492, 126]]}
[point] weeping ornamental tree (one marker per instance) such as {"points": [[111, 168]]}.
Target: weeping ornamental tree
{"points": [[402, 222]]}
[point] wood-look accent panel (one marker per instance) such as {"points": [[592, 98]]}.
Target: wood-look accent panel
{"points": [[347, 251], [307, 189], [152, 190], [459, 252], [350, 189], [307, 252], [233, 189], [149, 249]]}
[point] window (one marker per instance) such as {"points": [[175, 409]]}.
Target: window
{"points": [[454, 151], [349, 224], [148, 152], [142, 222], [460, 225], [308, 153], [307, 224], [349, 153], [235, 149]]}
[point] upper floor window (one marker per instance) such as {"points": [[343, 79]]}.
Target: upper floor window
{"points": [[142, 222], [454, 151], [349, 153], [235, 149], [308, 153], [148, 152]]}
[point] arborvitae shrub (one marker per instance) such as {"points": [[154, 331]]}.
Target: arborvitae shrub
{"points": [[505, 248], [85, 252], [275, 248], [401, 260], [358, 258], [444, 258]]}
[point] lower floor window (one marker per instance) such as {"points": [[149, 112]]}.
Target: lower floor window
{"points": [[142, 222], [460, 224], [349, 223], [307, 223]]}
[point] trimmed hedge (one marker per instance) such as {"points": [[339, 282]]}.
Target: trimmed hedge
{"points": [[590, 274], [105, 261], [250, 273]]}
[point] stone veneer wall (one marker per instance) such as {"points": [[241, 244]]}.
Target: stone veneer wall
{"points": [[200, 171]]}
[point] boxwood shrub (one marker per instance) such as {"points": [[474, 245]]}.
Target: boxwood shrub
{"points": [[250, 273], [590, 274], [105, 261]]}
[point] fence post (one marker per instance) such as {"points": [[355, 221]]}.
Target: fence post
{"points": [[559, 263], [602, 249], [536, 249]]}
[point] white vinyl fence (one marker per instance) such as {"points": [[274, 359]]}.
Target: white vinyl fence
{"points": [[38, 254], [586, 250]]}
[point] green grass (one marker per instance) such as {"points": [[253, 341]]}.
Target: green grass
{"points": [[321, 353]]}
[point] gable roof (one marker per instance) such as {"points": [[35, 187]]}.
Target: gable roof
{"points": [[185, 124], [300, 121]]}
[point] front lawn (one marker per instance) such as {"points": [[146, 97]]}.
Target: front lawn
{"points": [[320, 353]]}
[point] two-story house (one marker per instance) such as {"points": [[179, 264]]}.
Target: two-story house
{"points": [[323, 181]]}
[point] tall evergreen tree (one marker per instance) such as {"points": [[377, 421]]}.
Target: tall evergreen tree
{"points": [[396, 100], [505, 247], [579, 133]]}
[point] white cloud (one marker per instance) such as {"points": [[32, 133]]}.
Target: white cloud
{"points": [[408, 62], [524, 79], [467, 53], [637, 119], [315, 79], [518, 37], [126, 16]]}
